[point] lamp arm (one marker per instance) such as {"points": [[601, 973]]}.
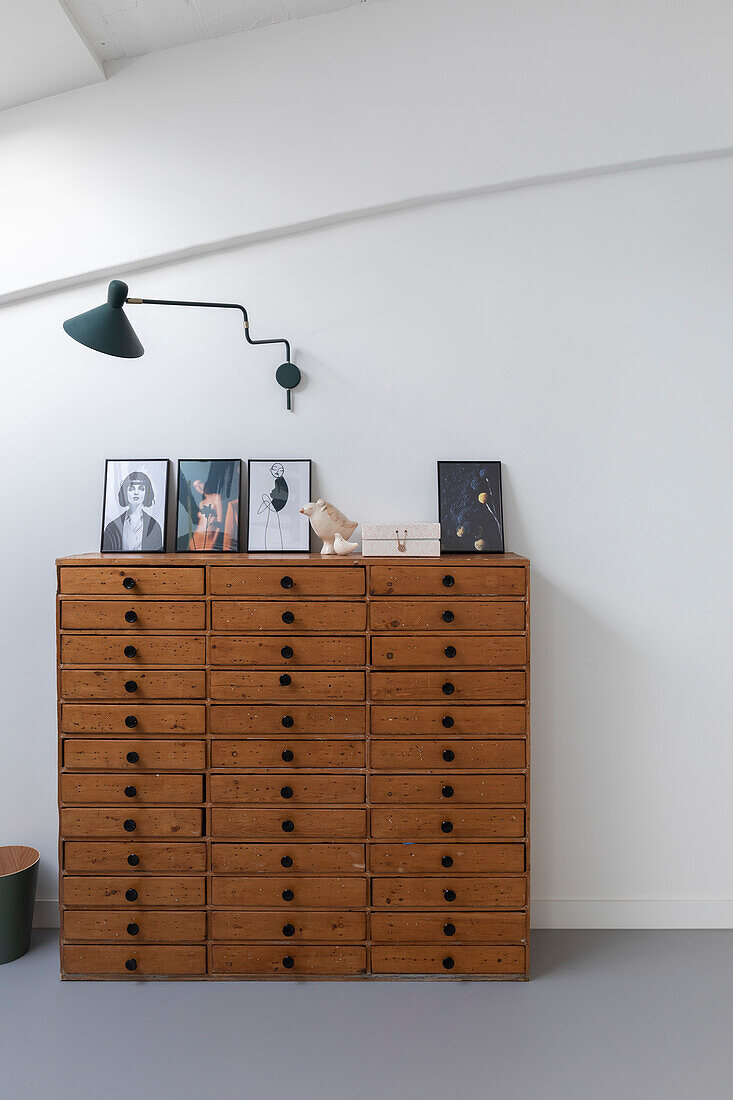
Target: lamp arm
{"points": [[212, 305]]}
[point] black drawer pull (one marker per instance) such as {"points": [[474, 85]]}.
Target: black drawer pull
{"points": [[133, 758], [446, 861], [130, 792], [448, 688], [131, 894], [448, 581], [286, 861], [450, 651], [287, 895], [447, 721], [286, 792], [133, 929], [288, 962], [130, 686], [130, 651], [286, 651], [446, 826], [288, 721], [288, 617], [130, 825], [131, 964], [447, 616], [286, 582], [130, 616], [448, 963], [449, 929], [131, 721], [287, 826], [133, 859], [288, 930], [287, 755], [449, 895], [447, 791], [286, 679], [128, 583], [448, 755]]}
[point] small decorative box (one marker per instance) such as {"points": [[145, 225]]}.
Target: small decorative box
{"points": [[392, 540]]}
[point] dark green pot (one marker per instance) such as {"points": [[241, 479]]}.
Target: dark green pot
{"points": [[18, 878]]}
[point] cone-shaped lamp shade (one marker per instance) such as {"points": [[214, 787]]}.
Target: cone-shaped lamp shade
{"points": [[106, 328]]}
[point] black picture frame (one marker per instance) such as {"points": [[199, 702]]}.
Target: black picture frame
{"points": [[111, 540], [252, 485], [220, 522], [469, 524]]}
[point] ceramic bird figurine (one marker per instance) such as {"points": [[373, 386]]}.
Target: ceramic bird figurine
{"points": [[341, 546], [327, 522]]}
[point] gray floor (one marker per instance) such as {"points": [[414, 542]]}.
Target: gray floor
{"points": [[607, 1016]]}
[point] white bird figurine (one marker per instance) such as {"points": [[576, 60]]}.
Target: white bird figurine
{"points": [[341, 546], [327, 522]]}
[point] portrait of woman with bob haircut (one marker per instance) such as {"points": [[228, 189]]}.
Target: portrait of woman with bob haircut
{"points": [[139, 489]]}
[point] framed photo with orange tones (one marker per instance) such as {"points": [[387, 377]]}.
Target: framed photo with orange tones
{"points": [[207, 508], [470, 508]]}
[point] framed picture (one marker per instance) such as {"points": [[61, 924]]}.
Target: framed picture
{"points": [[207, 509], [134, 509], [469, 507], [278, 489]]}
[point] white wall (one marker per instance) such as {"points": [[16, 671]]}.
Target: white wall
{"points": [[581, 332]]}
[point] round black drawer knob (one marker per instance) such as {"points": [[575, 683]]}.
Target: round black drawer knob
{"points": [[131, 895], [287, 755], [450, 651], [286, 792], [449, 929], [133, 758], [288, 930], [287, 895], [130, 651], [286, 582], [286, 651], [131, 721], [448, 580], [447, 791], [446, 826], [133, 859], [130, 792], [449, 895], [287, 826], [447, 616], [288, 962], [130, 825], [286, 679], [128, 583], [130, 617], [446, 861], [133, 929], [448, 963], [286, 861], [448, 755], [130, 686], [448, 722], [288, 617], [288, 721], [131, 964], [448, 688]]}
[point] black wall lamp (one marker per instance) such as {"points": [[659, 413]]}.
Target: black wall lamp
{"points": [[108, 330]]}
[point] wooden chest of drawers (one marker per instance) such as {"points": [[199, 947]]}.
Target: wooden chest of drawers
{"points": [[289, 766]]}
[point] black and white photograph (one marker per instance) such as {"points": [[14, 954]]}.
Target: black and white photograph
{"points": [[134, 511], [470, 508], [278, 489], [207, 508]]}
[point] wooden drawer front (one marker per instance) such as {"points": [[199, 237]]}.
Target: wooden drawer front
{"points": [[117, 649], [119, 755], [457, 721], [265, 961], [466, 893], [285, 652], [448, 753], [288, 580], [449, 928], [133, 890], [148, 960], [434, 858], [111, 822], [85, 718], [281, 752], [458, 650], [299, 927], [291, 720], [401, 790], [445, 960], [497, 616], [449, 822], [285, 616], [243, 824], [84, 855], [287, 789], [450, 684], [145, 615], [131, 790], [295, 858], [287, 891], [421, 580], [142, 926], [149, 581], [299, 685], [99, 684]]}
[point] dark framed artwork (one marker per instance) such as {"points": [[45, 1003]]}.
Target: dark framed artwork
{"points": [[207, 508], [470, 508], [277, 490], [135, 505]]}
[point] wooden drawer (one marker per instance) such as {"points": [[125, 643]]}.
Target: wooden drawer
{"points": [[86, 855], [137, 926], [491, 616], [437, 858], [148, 719], [284, 652], [488, 961], [274, 720], [133, 615], [444, 580], [131, 790], [284, 616], [148, 581], [400, 790], [116, 961], [132, 651], [288, 580], [287, 789], [449, 928], [452, 753], [133, 684], [294, 858], [134, 754], [449, 891], [263, 961], [287, 891], [449, 822], [130, 822], [449, 651], [450, 684], [281, 752], [297, 927], [244, 824], [134, 890], [491, 721], [286, 686]]}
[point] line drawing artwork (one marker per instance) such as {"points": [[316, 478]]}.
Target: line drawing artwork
{"points": [[275, 500]]}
